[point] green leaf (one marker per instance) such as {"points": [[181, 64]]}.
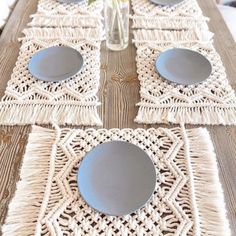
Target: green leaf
{"points": [[91, 1]]}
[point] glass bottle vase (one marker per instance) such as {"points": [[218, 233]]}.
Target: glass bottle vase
{"points": [[116, 14]]}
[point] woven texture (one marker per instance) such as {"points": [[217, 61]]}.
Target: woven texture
{"points": [[74, 101], [54, 7], [51, 13], [186, 14], [182, 25], [47, 201], [66, 21], [210, 102], [147, 8]]}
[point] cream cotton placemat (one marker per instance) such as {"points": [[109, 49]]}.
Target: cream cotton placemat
{"points": [[186, 14], [188, 199], [185, 8], [51, 13], [211, 102], [74, 101], [54, 7]]}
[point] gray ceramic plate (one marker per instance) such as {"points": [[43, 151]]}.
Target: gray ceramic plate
{"points": [[116, 178], [55, 63], [166, 2], [183, 66]]}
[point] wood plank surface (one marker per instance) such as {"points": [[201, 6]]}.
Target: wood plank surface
{"points": [[119, 92], [224, 138]]}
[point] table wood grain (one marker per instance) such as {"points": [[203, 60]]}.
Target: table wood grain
{"points": [[119, 92]]}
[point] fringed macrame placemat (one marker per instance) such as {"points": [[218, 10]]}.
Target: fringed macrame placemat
{"points": [[73, 101], [52, 13], [185, 8], [54, 7], [188, 199], [211, 102], [184, 15]]}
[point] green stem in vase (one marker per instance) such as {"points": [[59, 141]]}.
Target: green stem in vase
{"points": [[91, 1]]}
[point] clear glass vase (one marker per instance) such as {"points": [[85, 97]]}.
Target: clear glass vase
{"points": [[116, 14]]}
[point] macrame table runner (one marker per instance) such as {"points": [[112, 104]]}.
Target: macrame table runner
{"points": [[188, 198], [73, 101]]}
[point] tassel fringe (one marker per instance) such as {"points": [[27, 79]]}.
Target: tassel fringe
{"points": [[142, 22], [62, 114], [208, 206], [189, 115], [23, 216], [89, 34], [207, 189], [192, 35], [66, 21]]}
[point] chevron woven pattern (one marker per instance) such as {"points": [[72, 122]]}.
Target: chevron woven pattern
{"points": [[73, 101], [50, 203]]}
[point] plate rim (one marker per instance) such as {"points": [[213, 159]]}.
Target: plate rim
{"points": [[162, 4], [128, 213], [186, 49]]}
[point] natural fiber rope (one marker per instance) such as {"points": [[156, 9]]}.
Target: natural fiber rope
{"points": [[211, 102], [52, 13], [188, 199], [185, 15], [74, 101]]}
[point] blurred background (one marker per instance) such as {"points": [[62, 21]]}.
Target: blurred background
{"points": [[228, 11], [226, 7], [6, 7]]}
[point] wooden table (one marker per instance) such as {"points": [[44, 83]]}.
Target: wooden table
{"points": [[119, 92]]}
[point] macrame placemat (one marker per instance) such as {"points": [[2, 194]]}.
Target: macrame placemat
{"points": [[188, 198], [185, 8], [73, 101], [211, 102], [184, 15], [54, 7], [52, 13]]}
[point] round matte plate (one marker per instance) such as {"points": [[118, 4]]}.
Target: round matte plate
{"points": [[55, 63], [116, 178], [166, 2], [183, 66]]}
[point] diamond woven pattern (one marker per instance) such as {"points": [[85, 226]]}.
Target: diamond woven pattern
{"points": [[210, 102], [77, 94], [82, 87], [54, 7], [149, 9], [179, 206], [158, 217]]}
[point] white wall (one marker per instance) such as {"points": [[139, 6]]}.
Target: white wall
{"points": [[229, 15], [5, 10]]}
